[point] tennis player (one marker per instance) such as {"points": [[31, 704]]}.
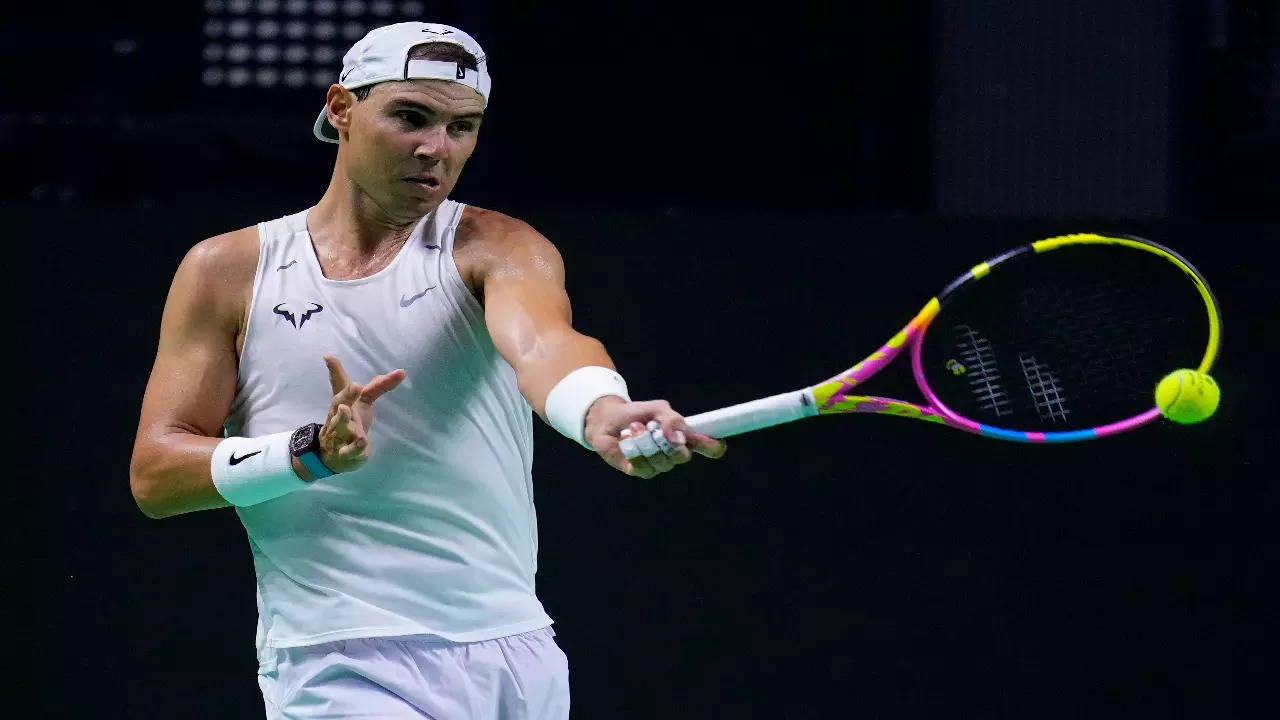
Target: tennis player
{"points": [[395, 557]]}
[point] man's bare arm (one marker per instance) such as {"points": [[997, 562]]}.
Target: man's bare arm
{"points": [[528, 315], [194, 378]]}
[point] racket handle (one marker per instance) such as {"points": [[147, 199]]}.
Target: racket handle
{"points": [[754, 415]]}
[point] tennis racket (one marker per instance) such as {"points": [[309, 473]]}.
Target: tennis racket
{"points": [[1061, 340]]}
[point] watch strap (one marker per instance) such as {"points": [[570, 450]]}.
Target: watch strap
{"points": [[309, 453], [311, 460]]}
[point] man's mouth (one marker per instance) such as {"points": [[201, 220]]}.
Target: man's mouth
{"points": [[427, 181]]}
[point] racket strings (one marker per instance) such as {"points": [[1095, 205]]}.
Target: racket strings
{"points": [[1105, 331], [1046, 391], [1072, 339], [978, 362]]}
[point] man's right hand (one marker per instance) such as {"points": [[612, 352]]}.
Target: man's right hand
{"points": [[344, 439], [611, 414]]}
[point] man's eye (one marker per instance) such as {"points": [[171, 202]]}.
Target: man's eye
{"points": [[462, 127], [411, 118]]}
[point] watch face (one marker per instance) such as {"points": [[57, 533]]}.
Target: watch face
{"points": [[302, 439]]}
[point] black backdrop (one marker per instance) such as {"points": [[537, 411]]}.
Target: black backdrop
{"points": [[831, 568]]}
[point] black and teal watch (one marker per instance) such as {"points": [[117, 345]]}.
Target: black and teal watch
{"points": [[305, 445]]}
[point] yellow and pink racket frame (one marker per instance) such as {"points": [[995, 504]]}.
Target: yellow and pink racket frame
{"points": [[835, 395]]}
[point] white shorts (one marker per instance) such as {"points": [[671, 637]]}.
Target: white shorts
{"points": [[519, 677]]}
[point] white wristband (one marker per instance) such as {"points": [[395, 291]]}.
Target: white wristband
{"points": [[569, 400], [247, 471]]}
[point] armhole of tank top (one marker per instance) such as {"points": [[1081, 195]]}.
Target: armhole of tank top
{"points": [[455, 275], [253, 299]]}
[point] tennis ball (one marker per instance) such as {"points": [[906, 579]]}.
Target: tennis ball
{"points": [[1187, 396]]}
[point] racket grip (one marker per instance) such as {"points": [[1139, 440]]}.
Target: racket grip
{"points": [[754, 415]]}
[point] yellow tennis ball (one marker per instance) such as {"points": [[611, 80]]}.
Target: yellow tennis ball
{"points": [[1187, 396]]}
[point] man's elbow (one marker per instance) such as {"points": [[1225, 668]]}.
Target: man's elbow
{"points": [[143, 497], [145, 487]]}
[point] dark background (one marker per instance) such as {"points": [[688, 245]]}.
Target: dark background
{"points": [[746, 202]]}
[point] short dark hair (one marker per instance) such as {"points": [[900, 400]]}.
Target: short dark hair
{"points": [[447, 52]]}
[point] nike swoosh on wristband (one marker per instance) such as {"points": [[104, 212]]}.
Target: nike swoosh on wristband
{"points": [[237, 460], [406, 300]]}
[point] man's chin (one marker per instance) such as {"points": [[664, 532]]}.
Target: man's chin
{"points": [[426, 205]]}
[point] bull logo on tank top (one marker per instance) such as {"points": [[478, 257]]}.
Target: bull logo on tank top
{"points": [[297, 313]]}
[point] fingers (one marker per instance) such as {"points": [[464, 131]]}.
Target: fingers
{"points": [[641, 440], [624, 455], [343, 440], [339, 428], [651, 438], [707, 446], [355, 451], [675, 452], [342, 427], [381, 384], [339, 381], [649, 451], [611, 451], [337, 374], [347, 395], [670, 437]]}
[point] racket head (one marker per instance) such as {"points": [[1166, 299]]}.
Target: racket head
{"points": [[1064, 339]]}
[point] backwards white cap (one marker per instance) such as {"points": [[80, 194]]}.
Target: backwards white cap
{"points": [[383, 55]]}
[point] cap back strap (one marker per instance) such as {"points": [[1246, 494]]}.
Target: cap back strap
{"points": [[418, 69]]}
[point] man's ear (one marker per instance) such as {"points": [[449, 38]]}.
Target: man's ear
{"points": [[339, 103]]}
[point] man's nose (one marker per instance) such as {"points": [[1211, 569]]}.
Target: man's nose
{"points": [[431, 142]]}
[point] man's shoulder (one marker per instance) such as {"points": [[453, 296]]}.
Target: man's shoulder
{"points": [[216, 276], [495, 231], [232, 251], [220, 269], [491, 244]]}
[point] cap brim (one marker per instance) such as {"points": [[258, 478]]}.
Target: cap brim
{"points": [[323, 130]]}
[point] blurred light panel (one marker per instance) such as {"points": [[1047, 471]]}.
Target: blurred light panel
{"points": [[289, 43]]}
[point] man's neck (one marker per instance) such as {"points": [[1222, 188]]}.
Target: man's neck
{"points": [[348, 221]]}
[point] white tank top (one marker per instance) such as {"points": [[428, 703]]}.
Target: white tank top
{"points": [[437, 533]]}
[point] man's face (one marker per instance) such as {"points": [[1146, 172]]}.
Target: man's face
{"points": [[408, 141]]}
